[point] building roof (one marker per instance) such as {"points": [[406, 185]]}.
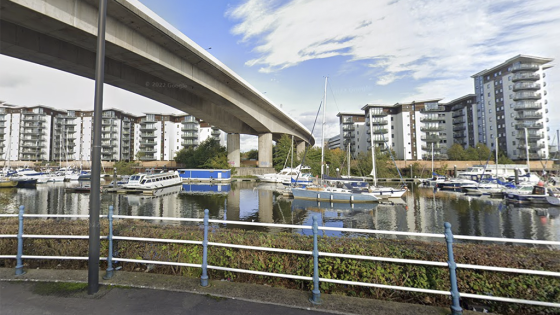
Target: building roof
{"points": [[340, 114], [521, 58]]}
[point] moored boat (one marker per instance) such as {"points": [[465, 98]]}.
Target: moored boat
{"points": [[144, 181]]}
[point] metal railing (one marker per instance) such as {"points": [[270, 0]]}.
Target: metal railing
{"points": [[315, 253]]}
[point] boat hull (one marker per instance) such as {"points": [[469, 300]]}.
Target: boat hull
{"points": [[332, 195]]}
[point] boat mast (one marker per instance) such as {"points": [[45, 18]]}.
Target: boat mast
{"points": [[496, 157], [348, 158], [527, 150], [292, 149], [373, 170], [323, 130], [432, 158]]}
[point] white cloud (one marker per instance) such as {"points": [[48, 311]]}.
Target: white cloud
{"points": [[447, 41]]}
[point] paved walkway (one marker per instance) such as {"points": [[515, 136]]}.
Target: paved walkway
{"points": [[143, 293]]}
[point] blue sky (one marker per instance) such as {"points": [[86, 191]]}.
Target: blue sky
{"points": [[372, 51]]}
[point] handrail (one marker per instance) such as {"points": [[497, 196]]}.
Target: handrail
{"points": [[450, 263]]}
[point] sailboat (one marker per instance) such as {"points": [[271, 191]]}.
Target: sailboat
{"points": [[380, 191], [324, 192]]}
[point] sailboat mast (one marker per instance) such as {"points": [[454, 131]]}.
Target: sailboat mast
{"points": [[527, 150], [323, 130], [432, 158], [496, 157], [373, 170], [292, 149], [348, 158]]}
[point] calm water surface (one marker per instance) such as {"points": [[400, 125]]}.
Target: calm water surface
{"points": [[419, 211]]}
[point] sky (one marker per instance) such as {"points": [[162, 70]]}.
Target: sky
{"points": [[373, 52]]}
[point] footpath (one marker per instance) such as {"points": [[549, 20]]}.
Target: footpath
{"points": [[51, 292]]}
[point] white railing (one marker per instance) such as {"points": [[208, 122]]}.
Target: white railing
{"points": [[454, 293]]}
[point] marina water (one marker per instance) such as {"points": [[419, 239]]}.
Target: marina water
{"points": [[420, 210]]}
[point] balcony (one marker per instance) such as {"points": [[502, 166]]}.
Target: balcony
{"points": [[148, 150], [215, 132], [33, 118], [189, 135], [528, 115], [377, 122], [28, 131], [148, 157], [532, 156], [532, 135], [459, 128], [188, 143], [431, 118], [523, 105], [108, 122], [460, 141], [148, 135], [378, 131], [377, 112], [459, 135], [529, 125], [525, 77], [459, 121], [520, 96], [525, 67], [432, 109], [190, 127], [437, 147], [526, 86], [432, 128], [148, 127], [458, 113], [348, 134], [189, 119], [347, 120], [348, 128], [376, 139], [432, 138]]}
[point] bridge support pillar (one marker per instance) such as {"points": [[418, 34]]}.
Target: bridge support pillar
{"points": [[233, 147], [300, 148], [265, 150]]}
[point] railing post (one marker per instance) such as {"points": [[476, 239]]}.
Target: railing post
{"points": [[455, 306], [109, 271], [19, 266], [316, 297], [204, 277]]}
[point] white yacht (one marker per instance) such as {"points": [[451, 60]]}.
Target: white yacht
{"points": [[285, 175], [144, 181]]}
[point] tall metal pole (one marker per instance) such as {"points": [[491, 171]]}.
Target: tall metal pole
{"points": [[323, 130], [527, 150], [94, 199]]}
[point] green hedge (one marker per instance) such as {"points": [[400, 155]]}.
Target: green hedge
{"points": [[419, 276]]}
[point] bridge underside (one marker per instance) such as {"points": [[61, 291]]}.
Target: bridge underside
{"points": [[141, 57]]}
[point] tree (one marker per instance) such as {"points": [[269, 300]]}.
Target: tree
{"points": [[126, 168], [456, 152], [251, 155], [281, 152], [483, 152], [470, 154], [209, 154]]}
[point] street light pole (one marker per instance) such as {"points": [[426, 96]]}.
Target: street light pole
{"points": [[94, 200]]}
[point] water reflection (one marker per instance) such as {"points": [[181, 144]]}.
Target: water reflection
{"points": [[421, 210]]}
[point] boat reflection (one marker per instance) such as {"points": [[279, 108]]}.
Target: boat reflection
{"points": [[206, 188]]}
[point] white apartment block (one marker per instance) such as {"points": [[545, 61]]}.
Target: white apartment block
{"points": [[509, 106], [512, 106], [42, 133]]}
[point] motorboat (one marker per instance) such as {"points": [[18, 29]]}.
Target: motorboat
{"points": [[149, 181], [540, 194], [285, 175]]}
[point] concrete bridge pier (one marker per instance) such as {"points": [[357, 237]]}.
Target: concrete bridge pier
{"points": [[265, 150], [233, 149], [300, 148]]}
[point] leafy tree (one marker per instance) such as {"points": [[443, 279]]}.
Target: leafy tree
{"points": [[470, 154], [251, 155], [126, 168], [503, 158], [483, 152], [456, 152], [282, 152], [209, 154]]}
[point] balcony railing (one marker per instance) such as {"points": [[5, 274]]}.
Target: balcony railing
{"points": [[188, 143], [531, 135], [377, 122], [377, 131], [432, 138], [188, 135], [525, 67], [525, 115], [432, 128], [529, 125], [458, 113], [522, 105], [519, 96], [460, 127], [148, 135], [348, 128], [377, 112], [526, 86], [525, 77]]}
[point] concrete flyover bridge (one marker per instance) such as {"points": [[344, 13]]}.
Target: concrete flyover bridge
{"points": [[146, 56]]}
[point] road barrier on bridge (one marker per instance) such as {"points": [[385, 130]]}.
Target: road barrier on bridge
{"points": [[315, 254]]}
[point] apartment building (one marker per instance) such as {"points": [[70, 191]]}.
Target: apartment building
{"points": [[511, 105], [42, 133], [352, 132]]}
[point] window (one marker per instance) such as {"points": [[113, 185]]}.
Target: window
{"points": [[509, 77]]}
